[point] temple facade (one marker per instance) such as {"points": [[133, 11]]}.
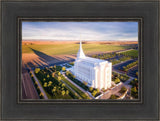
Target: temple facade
{"points": [[96, 72]]}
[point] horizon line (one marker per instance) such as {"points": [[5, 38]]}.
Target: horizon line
{"points": [[74, 40]]}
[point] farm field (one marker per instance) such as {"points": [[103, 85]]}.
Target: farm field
{"points": [[61, 49]]}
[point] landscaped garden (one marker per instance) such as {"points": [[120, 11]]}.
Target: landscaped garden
{"points": [[116, 77], [129, 66], [62, 78], [54, 88]]}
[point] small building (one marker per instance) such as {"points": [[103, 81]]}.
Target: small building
{"points": [[96, 72]]}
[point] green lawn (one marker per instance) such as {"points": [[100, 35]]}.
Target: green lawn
{"points": [[60, 49], [131, 53]]}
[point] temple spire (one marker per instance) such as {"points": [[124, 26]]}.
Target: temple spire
{"points": [[80, 53]]}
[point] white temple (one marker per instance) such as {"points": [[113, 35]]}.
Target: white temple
{"points": [[97, 73]]}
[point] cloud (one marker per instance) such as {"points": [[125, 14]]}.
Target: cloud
{"points": [[118, 31]]}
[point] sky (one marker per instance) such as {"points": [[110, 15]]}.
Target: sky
{"points": [[85, 31]]}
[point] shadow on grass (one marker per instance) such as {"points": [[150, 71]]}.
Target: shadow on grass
{"points": [[45, 60], [44, 57]]}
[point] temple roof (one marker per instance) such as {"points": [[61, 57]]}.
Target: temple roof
{"points": [[81, 57], [80, 53], [92, 60]]}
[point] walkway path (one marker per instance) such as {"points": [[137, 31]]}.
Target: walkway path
{"points": [[40, 86], [106, 95]]}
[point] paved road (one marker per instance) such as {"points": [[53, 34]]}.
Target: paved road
{"points": [[106, 95], [28, 89], [131, 72], [40, 87], [122, 62]]}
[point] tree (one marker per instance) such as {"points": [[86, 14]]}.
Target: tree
{"points": [[67, 73], [103, 89], [48, 76], [73, 76], [59, 78], [134, 89], [53, 74], [31, 75], [134, 92], [123, 89], [36, 83], [51, 67], [50, 83], [37, 70], [67, 92], [117, 80], [85, 83], [54, 66], [63, 85], [44, 79], [58, 73], [90, 89], [41, 94], [45, 84], [63, 68], [71, 63], [94, 92], [63, 92], [97, 90], [54, 89], [113, 97]]}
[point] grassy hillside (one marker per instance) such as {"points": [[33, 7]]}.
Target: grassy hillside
{"points": [[60, 49]]}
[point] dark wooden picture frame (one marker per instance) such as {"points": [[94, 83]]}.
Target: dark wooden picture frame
{"points": [[145, 108], [140, 58]]}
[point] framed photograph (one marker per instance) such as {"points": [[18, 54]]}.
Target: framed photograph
{"points": [[80, 60], [58, 68]]}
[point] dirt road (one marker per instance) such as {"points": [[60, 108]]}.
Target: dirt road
{"points": [[28, 89]]}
